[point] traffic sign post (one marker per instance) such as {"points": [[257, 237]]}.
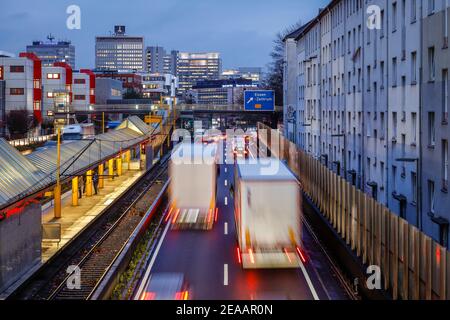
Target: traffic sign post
{"points": [[259, 100]]}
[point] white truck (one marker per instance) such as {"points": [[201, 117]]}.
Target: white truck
{"points": [[267, 215], [193, 172]]}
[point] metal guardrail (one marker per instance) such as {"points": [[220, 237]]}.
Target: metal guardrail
{"points": [[413, 266], [31, 140]]}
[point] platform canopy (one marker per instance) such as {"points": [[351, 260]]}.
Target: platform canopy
{"points": [[22, 176], [17, 174]]}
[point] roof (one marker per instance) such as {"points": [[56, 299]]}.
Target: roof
{"points": [[22, 176], [78, 156], [268, 169], [135, 123], [17, 173], [294, 34]]}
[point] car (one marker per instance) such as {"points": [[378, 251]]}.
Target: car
{"points": [[166, 286]]}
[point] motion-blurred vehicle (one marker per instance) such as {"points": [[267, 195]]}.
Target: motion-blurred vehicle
{"points": [[193, 188], [267, 215], [166, 286], [78, 132], [240, 148]]}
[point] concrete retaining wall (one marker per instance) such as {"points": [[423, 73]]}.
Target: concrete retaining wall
{"points": [[20, 244]]}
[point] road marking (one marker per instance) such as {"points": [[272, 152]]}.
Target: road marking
{"points": [[150, 266], [226, 228], [226, 170], [226, 201], [226, 183], [308, 281], [225, 275]]}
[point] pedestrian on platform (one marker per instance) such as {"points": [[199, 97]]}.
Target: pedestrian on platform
{"points": [[80, 187], [95, 181]]}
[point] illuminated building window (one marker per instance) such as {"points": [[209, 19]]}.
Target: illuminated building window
{"points": [[54, 76]]}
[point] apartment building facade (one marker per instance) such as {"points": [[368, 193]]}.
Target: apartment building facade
{"points": [[83, 88], [193, 67], [57, 84], [372, 98], [51, 52], [119, 52], [23, 81]]}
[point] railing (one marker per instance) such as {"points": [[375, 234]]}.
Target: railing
{"points": [[413, 266], [180, 107], [31, 140]]}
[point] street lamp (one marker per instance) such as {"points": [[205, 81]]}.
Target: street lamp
{"points": [[418, 189]]}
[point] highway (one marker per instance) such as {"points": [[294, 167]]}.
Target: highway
{"points": [[209, 261]]}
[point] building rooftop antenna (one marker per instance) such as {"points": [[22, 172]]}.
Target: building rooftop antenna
{"points": [[50, 37]]}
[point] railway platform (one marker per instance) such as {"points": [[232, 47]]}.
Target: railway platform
{"points": [[75, 218]]}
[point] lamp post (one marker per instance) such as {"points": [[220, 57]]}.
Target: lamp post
{"points": [[418, 189]]}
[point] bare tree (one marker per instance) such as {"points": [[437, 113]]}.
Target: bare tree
{"points": [[274, 77], [19, 122]]}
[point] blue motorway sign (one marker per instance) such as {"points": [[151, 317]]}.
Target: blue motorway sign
{"points": [[259, 100]]}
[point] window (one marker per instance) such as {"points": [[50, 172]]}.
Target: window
{"points": [[445, 95], [16, 69], [394, 123], [431, 196], [368, 78], [431, 130], [383, 126], [1, 73], [54, 76], [394, 72], [394, 17], [414, 67], [431, 64], [431, 6], [414, 128], [413, 11], [79, 97], [79, 81], [414, 187], [444, 165], [382, 74], [382, 24], [17, 91], [394, 179]]}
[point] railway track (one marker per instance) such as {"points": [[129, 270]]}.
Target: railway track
{"points": [[94, 250]]}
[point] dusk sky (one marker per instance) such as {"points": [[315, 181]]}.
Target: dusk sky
{"points": [[241, 30]]}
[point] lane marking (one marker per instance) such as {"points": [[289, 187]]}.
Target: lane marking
{"points": [[225, 275], [226, 201], [226, 183], [152, 262], [226, 228], [308, 281], [226, 170]]}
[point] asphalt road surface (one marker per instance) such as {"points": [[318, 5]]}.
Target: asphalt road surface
{"points": [[210, 264]]}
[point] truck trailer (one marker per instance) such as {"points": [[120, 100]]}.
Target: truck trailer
{"points": [[193, 172], [267, 215]]}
